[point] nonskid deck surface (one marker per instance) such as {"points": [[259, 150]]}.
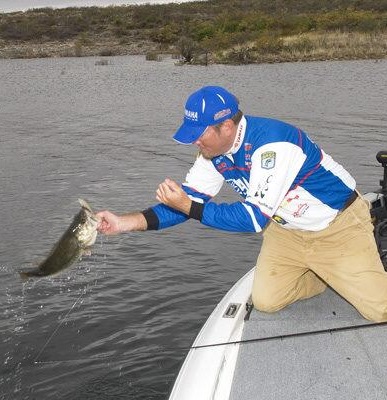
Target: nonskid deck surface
{"points": [[309, 350]]}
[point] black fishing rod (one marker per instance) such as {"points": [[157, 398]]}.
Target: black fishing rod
{"points": [[295, 335]]}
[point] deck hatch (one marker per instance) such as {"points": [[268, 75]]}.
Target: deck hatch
{"points": [[232, 310]]}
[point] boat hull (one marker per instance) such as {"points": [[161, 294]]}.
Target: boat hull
{"points": [[208, 369]]}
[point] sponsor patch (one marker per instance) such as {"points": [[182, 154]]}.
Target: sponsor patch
{"points": [[192, 115], [279, 220], [261, 190], [268, 160], [241, 185], [221, 114], [301, 209], [265, 205], [218, 160]]}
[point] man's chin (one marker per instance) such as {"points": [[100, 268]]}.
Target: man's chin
{"points": [[208, 156]]}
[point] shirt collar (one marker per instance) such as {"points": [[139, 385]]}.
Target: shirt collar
{"points": [[240, 135]]}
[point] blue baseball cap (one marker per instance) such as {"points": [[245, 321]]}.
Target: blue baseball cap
{"points": [[208, 106]]}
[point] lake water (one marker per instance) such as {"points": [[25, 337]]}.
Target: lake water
{"points": [[119, 323]]}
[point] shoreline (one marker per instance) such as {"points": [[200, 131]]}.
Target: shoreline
{"points": [[201, 32], [296, 48]]}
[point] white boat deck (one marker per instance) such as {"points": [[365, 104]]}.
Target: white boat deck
{"points": [[320, 348]]}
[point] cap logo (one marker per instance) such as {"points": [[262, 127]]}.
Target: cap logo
{"points": [[192, 115], [221, 114]]}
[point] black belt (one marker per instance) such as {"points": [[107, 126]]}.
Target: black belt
{"points": [[351, 199]]}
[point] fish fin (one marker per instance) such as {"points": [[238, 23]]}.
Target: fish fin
{"points": [[24, 276], [86, 252], [85, 204]]}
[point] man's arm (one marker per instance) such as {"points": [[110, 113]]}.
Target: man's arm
{"points": [[202, 182], [231, 217]]}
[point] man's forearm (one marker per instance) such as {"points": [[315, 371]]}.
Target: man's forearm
{"points": [[133, 222]]}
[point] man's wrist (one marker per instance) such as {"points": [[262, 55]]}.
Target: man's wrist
{"points": [[151, 219], [196, 210]]}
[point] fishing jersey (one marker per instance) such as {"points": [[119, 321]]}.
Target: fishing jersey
{"points": [[280, 173]]}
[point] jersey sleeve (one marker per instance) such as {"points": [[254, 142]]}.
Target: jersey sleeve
{"points": [[274, 169], [234, 217], [203, 181]]}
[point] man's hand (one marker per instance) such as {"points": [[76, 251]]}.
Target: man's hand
{"points": [[112, 224], [172, 195], [109, 223]]}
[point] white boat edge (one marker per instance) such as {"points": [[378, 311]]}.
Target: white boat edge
{"points": [[208, 369]]}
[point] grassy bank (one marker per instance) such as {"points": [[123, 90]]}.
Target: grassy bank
{"points": [[218, 31], [311, 46]]}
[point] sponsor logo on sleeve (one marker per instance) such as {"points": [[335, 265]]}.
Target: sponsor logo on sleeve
{"points": [[240, 185], [268, 160], [262, 189]]}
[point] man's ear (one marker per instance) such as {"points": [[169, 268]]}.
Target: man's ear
{"points": [[230, 126]]}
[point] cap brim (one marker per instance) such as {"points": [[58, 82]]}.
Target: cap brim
{"points": [[188, 134]]}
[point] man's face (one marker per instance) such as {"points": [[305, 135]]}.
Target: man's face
{"points": [[216, 140]]}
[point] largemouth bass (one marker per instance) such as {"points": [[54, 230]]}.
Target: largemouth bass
{"points": [[80, 235]]}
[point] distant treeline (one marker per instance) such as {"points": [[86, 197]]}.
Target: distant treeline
{"points": [[210, 25]]}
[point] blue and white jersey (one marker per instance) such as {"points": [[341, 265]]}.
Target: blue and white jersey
{"points": [[280, 174]]}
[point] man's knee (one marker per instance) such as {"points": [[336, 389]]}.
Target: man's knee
{"points": [[269, 298], [375, 314], [381, 317], [264, 302]]}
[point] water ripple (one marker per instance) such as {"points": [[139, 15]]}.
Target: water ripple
{"points": [[119, 323]]}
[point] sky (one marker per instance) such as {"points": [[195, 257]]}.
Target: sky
{"points": [[22, 5]]}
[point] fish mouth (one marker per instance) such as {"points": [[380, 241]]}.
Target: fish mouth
{"points": [[85, 204], [94, 218], [89, 212]]}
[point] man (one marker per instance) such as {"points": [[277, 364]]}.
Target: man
{"points": [[316, 228]]}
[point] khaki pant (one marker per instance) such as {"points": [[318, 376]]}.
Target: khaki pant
{"points": [[295, 264]]}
